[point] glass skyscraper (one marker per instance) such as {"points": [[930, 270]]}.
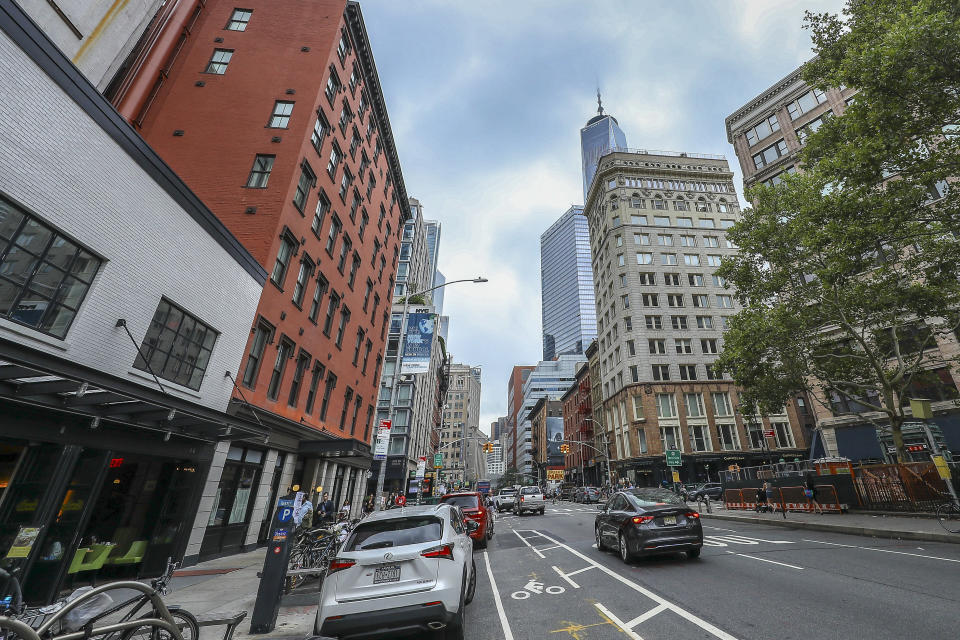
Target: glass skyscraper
{"points": [[567, 304], [601, 134]]}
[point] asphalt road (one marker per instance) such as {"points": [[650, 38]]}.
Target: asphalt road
{"points": [[542, 577]]}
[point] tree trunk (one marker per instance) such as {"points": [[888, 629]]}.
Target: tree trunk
{"points": [[895, 423]]}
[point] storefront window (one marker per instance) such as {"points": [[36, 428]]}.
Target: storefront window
{"points": [[233, 502]]}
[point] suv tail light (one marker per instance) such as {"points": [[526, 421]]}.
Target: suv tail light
{"points": [[692, 514], [521, 498], [443, 551], [642, 519], [339, 564]]}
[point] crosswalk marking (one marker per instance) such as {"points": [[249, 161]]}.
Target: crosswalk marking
{"points": [[724, 541]]}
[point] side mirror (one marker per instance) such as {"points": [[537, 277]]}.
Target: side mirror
{"points": [[472, 526]]}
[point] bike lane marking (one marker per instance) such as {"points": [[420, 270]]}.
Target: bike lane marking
{"points": [[507, 633], [667, 605], [901, 553], [618, 622]]}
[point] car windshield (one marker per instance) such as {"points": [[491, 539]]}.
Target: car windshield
{"points": [[646, 498], [508, 492], [529, 490], [464, 502], [395, 533]]}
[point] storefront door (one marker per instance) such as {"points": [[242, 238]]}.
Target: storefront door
{"points": [[233, 503]]}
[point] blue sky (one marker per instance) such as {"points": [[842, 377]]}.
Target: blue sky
{"points": [[487, 99]]}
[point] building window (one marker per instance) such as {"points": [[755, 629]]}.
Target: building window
{"points": [[318, 293], [704, 322], [650, 300], [701, 301], [674, 300], [661, 372], [625, 301], [358, 346], [644, 258], [366, 357], [239, 19], [284, 353], [303, 362], [333, 85], [280, 118], [647, 278], [320, 130], [287, 248], [685, 222], [260, 172], [691, 259], [681, 205], [678, 322], [725, 302], [315, 377], [688, 372], [331, 313], [177, 346], [668, 259], [44, 276], [762, 130], [671, 279], [806, 103], [811, 127], [770, 154], [328, 388], [364, 221], [335, 227], [721, 404], [323, 206], [784, 435], [695, 279], [657, 346], [307, 180], [700, 438], [306, 270], [342, 327], [666, 405], [219, 61], [654, 322], [665, 240], [683, 345], [661, 221], [728, 436], [706, 223], [658, 203], [709, 345], [713, 373], [262, 335], [345, 181], [345, 249]]}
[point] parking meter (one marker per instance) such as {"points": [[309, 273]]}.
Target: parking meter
{"points": [[274, 573]]}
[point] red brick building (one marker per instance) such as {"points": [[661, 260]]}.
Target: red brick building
{"points": [[518, 376], [577, 407], [273, 115]]}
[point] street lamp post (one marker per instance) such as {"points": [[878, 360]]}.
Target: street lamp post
{"points": [[396, 373], [606, 447]]}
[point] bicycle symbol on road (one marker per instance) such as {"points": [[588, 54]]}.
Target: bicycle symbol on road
{"points": [[537, 588]]}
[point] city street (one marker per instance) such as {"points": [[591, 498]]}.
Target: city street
{"points": [[542, 577]]}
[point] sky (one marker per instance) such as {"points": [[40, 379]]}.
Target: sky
{"points": [[486, 100]]}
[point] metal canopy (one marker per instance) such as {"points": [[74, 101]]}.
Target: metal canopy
{"points": [[40, 380]]}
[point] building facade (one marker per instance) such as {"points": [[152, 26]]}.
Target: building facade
{"points": [[598, 137], [495, 466], [581, 462], [518, 376], [657, 230], [768, 134], [546, 425], [568, 311], [113, 340], [460, 433]]}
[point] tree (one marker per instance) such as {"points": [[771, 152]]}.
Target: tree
{"points": [[848, 271]]}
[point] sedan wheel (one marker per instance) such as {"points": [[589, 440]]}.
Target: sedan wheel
{"points": [[625, 554], [600, 545]]}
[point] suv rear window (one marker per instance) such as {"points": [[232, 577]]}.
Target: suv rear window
{"points": [[508, 492], [395, 533], [464, 502], [529, 490]]}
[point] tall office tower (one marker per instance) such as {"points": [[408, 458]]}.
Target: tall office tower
{"points": [[415, 270], [461, 426], [658, 225], [274, 117], [495, 466], [567, 307], [518, 376], [438, 279], [550, 379], [598, 137], [433, 244]]}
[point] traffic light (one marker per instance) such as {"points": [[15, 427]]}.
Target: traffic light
{"points": [[564, 448]]}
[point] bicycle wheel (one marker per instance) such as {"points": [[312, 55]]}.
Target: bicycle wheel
{"points": [[948, 514], [189, 629]]}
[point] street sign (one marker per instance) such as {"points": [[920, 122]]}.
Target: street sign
{"points": [[673, 458], [421, 467], [676, 476], [768, 433], [438, 461], [383, 440]]}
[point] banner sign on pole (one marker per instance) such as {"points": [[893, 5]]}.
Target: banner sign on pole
{"points": [[418, 343], [421, 467], [383, 440]]}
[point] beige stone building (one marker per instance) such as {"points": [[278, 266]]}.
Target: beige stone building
{"points": [[460, 436], [658, 225]]}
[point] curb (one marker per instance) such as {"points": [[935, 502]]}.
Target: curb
{"points": [[840, 528]]}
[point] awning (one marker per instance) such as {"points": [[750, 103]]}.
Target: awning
{"points": [[345, 451], [31, 377]]}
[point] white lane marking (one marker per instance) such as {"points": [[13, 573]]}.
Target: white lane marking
{"points": [[734, 539], [706, 526], [782, 564], [901, 553], [646, 616], [565, 577], [708, 541], [535, 550], [548, 548], [700, 622], [507, 633], [617, 621]]}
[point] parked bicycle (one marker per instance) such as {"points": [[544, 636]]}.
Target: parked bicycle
{"points": [[314, 549], [948, 515], [95, 612]]}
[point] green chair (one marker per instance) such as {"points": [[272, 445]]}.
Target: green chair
{"points": [[134, 554], [94, 559], [78, 560]]}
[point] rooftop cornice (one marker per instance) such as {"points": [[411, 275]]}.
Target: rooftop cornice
{"points": [[766, 96]]}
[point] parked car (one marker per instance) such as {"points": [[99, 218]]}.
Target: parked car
{"points": [[648, 521], [401, 571], [567, 491], [504, 500], [712, 489], [474, 506], [587, 495], [529, 499]]}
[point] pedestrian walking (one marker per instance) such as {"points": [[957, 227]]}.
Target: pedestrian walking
{"points": [[761, 500], [768, 490], [368, 505], [326, 508], [810, 491]]}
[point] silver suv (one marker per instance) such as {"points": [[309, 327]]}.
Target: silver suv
{"points": [[529, 499], [505, 499]]}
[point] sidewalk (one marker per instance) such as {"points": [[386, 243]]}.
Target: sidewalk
{"points": [[229, 585], [857, 523]]}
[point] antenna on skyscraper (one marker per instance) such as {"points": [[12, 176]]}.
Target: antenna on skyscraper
{"points": [[599, 103]]}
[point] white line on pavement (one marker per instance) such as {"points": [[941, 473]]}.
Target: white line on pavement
{"points": [[901, 553], [700, 622], [782, 564], [535, 550], [565, 577], [646, 616], [706, 526], [507, 633], [617, 621]]}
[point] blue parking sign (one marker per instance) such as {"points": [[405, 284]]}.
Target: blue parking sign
{"points": [[286, 514]]}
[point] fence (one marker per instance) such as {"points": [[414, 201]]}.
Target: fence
{"points": [[911, 486], [785, 498]]}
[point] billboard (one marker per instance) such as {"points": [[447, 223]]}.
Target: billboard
{"points": [[554, 475], [554, 440], [418, 343]]}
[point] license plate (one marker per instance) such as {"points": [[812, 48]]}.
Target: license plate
{"points": [[669, 519], [388, 573]]}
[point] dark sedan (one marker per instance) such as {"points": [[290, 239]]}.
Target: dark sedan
{"points": [[640, 522]]}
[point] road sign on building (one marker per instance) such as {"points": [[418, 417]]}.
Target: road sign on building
{"points": [[673, 457], [438, 461]]}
